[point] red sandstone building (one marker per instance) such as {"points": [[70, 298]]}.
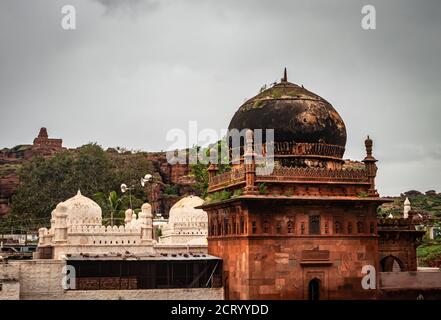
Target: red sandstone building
{"points": [[305, 230], [46, 146]]}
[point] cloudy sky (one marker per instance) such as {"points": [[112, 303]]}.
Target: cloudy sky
{"points": [[133, 70]]}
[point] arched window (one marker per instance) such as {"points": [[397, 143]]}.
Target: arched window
{"points": [[360, 227], [254, 227], [242, 225], [372, 228], [391, 264], [278, 227], [349, 227], [314, 224], [337, 228], [290, 226], [302, 228], [266, 227]]}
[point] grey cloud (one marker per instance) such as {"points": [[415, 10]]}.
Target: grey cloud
{"points": [[135, 69], [410, 153], [128, 6]]}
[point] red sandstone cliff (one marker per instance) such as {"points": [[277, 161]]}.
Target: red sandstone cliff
{"points": [[174, 180]]}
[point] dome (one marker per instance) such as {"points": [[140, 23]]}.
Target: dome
{"points": [[186, 224], [80, 210], [296, 115], [147, 208], [184, 211]]}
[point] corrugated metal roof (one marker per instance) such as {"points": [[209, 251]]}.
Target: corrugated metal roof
{"points": [[151, 257]]}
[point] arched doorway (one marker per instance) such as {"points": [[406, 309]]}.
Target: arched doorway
{"points": [[314, 289], [391, 264]]}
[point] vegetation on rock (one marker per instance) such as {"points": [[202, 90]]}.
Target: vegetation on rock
{"points": [[45, 182]]}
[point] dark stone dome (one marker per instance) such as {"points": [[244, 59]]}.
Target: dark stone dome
{"points": [[296, 115]]}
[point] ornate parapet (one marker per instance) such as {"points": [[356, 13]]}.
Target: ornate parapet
{"points": [[236, 177], [307, 149], [103, 230], [395, 224], [293, 149], [227, 179], [287, 174]]}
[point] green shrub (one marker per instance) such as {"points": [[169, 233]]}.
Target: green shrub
{"points": [[262, 188], [218, 196], [237, 193], [429, 253]]}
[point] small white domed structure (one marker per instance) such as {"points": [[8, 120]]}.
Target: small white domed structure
{"points": [[184, 211], [80, 211], [187, 225], [77, 228]]}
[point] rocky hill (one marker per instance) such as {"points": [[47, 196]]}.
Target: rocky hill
{"points": [[171, 182], [428, 203]]}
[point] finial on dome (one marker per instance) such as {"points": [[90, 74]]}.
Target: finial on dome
{"points": [[407, 208], [79, 192], [368, 144], [285, 76]]}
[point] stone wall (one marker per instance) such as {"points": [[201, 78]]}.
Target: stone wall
{"points": [[410, 285], [9, 284], [9, 290], [175, 238], [180, 248], [410, 280], [273, 255], [154, 294], [39, 278]]}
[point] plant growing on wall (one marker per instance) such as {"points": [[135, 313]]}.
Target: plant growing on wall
{"points": [[262, 188]]}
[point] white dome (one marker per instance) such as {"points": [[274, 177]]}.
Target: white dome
{"points": [[184, 211], [80, 210], [186, 225]]}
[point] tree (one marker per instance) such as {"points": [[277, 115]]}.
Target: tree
{"points": [[45, 182], [112, 205], [200, 170]]}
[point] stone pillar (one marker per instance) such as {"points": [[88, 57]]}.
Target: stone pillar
{"points": [[128, 216], [212, 171], [371, 167], [406, 209], [250, 165], [60, 230], [42, 236], [146, 219]]}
